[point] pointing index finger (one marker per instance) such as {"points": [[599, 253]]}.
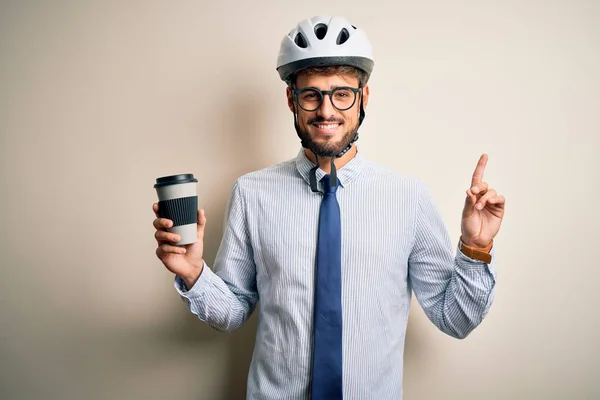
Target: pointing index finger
{"points": [[478, 174]]}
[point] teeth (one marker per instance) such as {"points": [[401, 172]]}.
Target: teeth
{"points": [[328, 126]]}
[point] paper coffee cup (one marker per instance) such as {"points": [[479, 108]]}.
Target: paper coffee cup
{"points": [[178, 201]]}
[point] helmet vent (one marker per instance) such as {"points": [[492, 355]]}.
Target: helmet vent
{"points": [[342, 37], [300, 40], [320, 31]]}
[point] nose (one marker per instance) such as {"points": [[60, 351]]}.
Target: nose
{"points": [[326, 109]]}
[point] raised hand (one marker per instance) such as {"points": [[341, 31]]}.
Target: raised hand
{"points": [[184, 261], [483, 211]]}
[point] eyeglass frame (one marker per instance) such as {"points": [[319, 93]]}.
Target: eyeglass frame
{"points": [[322, 93]]}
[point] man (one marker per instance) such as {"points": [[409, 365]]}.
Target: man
{"points": [[333, 245]]}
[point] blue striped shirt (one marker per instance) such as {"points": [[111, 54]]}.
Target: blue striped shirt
{"points": [[393, 242]]}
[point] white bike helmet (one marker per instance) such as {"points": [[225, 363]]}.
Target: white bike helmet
{"points": [[323, 41]]}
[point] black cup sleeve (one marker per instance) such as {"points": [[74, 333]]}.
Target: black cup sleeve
{"points": [[182, 211]]}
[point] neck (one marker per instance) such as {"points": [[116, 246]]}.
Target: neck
{"points": [[325, 162]]}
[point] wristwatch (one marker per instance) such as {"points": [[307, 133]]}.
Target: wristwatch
{"points": [[477, 253]]}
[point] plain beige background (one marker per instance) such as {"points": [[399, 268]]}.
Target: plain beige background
{"points": [[98, 98]]}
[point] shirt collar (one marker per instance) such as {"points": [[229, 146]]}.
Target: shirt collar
{"points": [[345, 175]]}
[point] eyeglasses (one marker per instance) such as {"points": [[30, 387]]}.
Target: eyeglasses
{"points": [[310, 98]]}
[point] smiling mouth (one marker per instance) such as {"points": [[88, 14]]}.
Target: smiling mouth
{"points": [[327, 128]]}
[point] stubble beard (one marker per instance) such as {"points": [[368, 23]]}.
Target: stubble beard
{"points": [[327, 149]]}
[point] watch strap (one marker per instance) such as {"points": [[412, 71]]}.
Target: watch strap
{"points": [[477, 253]]}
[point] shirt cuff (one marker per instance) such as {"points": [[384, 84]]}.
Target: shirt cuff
{"points": [[199, 286]]}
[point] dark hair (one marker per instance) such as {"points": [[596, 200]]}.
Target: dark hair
{"points": [[331, 70]]}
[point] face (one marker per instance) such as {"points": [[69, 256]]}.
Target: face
{"points": [[327, 131]]}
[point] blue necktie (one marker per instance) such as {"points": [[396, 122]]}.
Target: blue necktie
{"points": [[327, 357]]}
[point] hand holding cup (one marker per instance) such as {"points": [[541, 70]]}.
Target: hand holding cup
{"points": [[179, 226]]}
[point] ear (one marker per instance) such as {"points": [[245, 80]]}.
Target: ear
{"points": [[290, 99], [365, 96]]}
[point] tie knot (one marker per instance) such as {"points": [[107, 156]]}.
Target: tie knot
{"points": [[327, 185]]}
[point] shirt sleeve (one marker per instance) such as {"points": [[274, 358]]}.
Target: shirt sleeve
{"points": [[226, 296], [455, 291]]}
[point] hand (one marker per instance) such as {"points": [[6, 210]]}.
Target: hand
{"points": [[184, 261], [483, 212]]}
